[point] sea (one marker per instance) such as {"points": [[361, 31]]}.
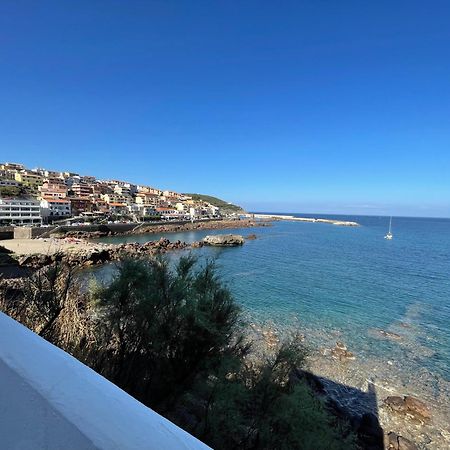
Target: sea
{"points": [[388, 301]]}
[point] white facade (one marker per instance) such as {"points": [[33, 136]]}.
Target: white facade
{"points": [[20, 212], [9, 183], [55, 207]]}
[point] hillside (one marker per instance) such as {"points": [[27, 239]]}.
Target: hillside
{"points": [[223, 205]]}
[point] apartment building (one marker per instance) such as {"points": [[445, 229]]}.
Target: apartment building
{"points": [[81, 189], [149, 190], [100, 205], [30, 179], [5, 182], [116, 198], [6, 174], [55, 207], [53, 188], [147, 199], [20, 211], [118, 208], [11, 166], [80, 205]]}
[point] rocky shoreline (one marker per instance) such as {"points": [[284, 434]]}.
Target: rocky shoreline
{"points": [[83, 253], [103, 253], [163, 228], [396, 416]]}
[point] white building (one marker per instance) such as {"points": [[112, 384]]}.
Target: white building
{"points": [[55, 207], [20, 211], [141, 210], [9, 183]]}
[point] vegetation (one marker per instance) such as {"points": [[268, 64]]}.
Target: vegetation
{"points": [[172, 338], [223, 205], [13, 191]]}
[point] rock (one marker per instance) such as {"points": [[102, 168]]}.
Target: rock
{"points": [[396, 403], [224, 240], [408, 405], [397, 442], [36, 260], [340, 352], [417, 407], [251, 237], [389, 335]]}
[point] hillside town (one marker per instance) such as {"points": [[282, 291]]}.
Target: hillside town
{"points": [[36, 197]]}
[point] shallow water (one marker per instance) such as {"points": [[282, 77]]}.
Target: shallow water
{"points": [[347, 283]]}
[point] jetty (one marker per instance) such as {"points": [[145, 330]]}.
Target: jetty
{"points": [[342, 223]]}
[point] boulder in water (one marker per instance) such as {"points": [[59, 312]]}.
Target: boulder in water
{"points": [[224, 240]]}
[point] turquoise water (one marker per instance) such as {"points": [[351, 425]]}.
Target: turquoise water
{"points": [[346, 283]]}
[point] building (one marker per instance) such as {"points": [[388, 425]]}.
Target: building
{"points": [[30, 179], [81, 189], [53, 188], [80, 205], [55, 208], [99, 205], [9, 183], [122, 189], [150, 190], [6, 174], [147, 199], [170, 195], [118, 209], [116, 198], [20, 211], [168, 213], [12, 166]]}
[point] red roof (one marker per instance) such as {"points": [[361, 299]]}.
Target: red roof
{"points": [[56, 200]]}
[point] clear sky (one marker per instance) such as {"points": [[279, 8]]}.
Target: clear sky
{"points": [[309, 106]]}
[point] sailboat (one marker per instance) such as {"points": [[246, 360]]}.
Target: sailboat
{"points": [[389, 235]]}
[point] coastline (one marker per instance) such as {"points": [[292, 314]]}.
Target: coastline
{"points": [[79, 249], [156, 228], [347, 378], [199, 225]]}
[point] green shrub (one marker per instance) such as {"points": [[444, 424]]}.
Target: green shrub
{"points": [[171, 336]]}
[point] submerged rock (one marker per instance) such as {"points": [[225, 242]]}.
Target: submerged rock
{"points": [[389, 334], [251, 237], [397, 442], [224, 240], [396, 403], [408, 405], [340, 352], [417, 407]]}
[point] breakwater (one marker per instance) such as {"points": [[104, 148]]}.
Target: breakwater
{"points": [[343, 223]]}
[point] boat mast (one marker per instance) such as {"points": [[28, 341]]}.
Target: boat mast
{"points": [[390, 224]]}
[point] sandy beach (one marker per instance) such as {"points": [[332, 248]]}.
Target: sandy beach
{"points": [[45, 246]]}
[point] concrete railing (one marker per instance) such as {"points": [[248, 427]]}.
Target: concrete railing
{"points": [[50, 400]]}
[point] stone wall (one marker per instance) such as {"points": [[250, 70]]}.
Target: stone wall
{"points": [[30, 232]]}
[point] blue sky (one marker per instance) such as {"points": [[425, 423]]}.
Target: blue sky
{"points": [[311, 106]]}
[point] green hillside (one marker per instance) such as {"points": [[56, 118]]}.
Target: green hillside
{"points": [[223, 205]]}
